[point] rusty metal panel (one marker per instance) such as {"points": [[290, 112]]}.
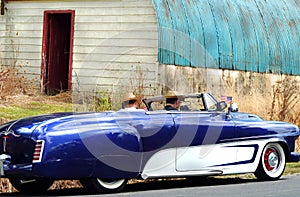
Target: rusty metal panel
{"points": [[196, 34], [222, 23], [275, 39], [204, 35], [210, 35], [292, 15], [246, 51], [256, 49], [166, 42], [238, 42], [181, 33], [250, 35]]}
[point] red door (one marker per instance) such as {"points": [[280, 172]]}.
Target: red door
{"points": [[57, 51]]}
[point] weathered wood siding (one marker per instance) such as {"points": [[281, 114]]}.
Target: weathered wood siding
{"points": [[114, 41]]}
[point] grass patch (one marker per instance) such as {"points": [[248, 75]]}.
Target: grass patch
{"points": [[292, 168], [32, 109]]}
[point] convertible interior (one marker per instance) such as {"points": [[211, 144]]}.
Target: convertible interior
{"points": [[188, 102]]}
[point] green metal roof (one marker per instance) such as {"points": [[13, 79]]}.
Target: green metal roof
{"points": [[249, 35]]}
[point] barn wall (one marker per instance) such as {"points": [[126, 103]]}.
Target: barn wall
{"points": [[254, 92], [116, 50], [114, 41]]}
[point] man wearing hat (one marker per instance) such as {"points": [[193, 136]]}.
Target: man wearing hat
{"points": [[130, 102], [172, 101]]}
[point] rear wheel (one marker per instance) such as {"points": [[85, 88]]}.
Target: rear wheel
{"points": [[104, 185], [32, 186], [272, 162]]}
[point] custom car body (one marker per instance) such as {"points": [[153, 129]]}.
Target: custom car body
{"points": [[104, 150]]}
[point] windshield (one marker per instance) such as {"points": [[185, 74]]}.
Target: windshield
{"points": [[190, 102], [210, 102]]}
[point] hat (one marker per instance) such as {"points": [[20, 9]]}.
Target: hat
{"points": [[171, 94], [130, 96]]}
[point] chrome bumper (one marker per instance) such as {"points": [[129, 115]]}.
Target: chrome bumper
{"points": [[294, 157], [4, 161]]}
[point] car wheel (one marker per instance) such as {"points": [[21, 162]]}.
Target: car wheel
{"points": [[32, 186], [104, 185], [272, 162]]}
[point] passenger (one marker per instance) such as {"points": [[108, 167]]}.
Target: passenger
{"points": [[172, 101], [130, 102]]}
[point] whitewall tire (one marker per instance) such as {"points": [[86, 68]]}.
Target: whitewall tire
{"points": [[104, 185], [272, 162]]}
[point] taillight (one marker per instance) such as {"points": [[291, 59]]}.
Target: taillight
{"points": [[38, 151]]}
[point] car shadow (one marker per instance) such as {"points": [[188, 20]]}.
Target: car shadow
{"points": [[160, 184]]}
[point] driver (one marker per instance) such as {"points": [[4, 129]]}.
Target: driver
{"points": [[172, 101]]}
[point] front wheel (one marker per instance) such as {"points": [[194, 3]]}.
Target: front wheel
{"points": [[272, 162], [32, 186], [104, 185]]}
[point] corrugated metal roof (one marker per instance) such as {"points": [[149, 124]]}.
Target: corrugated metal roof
{"points": [[251, 35]]}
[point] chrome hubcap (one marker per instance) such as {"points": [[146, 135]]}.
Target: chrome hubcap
{"points": [[271, 159]]}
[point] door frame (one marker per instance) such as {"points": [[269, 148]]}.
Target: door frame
{"points": [[45, 44]]}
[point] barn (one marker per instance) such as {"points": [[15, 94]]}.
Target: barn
{"points": [[237, 47]]}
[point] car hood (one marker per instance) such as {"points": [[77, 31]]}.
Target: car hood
{"points": [[245, 116], [253, 122]]}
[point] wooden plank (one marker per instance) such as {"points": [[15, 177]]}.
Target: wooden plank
{"points": [[90, 11], [32, 4], [25, 48], [129, 34], [25, 56], [113, 50], [116, 42], [26, 26], [121, 73], [96, 81], [16, 42], [114, 58], [115, 26], [25, 19], [116, 18], [78, 64]]}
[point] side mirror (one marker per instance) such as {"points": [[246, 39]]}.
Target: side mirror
{"points": [[233, 108], [221, 106]]}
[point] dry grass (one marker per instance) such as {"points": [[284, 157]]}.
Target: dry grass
{"points": [[11, 83], [65, 184], [6, 187]]}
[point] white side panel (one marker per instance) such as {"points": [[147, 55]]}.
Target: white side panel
{"points": [[162, 164], [197, 158], [229, 158]]}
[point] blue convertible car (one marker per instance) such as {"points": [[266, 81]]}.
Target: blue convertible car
{"points": [[104, 150]]}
